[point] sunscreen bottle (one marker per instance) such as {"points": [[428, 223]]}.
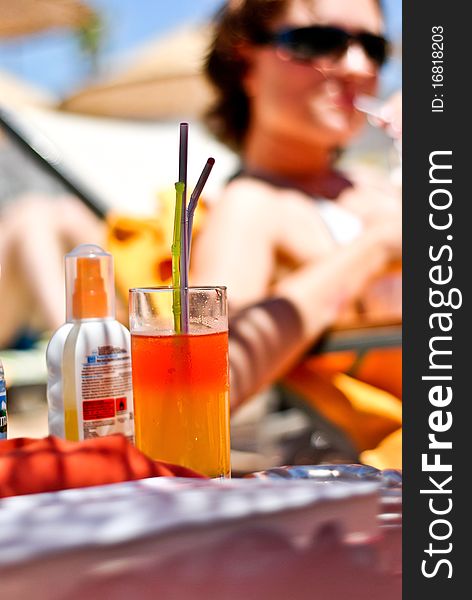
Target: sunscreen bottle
{"points": [[96, 360]]}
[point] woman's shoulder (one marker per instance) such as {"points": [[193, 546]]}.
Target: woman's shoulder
{"points": [[250, 193], [252, 184]]}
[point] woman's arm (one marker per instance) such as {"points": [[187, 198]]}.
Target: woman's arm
{"points": [[267, 338], [237, 249]]}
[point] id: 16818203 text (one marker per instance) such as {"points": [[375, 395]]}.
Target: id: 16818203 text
{"points": [[437, 68]]}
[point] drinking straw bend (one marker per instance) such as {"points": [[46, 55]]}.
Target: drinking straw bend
{"points": [[192, 205]]}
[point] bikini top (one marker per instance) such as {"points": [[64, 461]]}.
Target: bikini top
{"points": [[343, 225]]}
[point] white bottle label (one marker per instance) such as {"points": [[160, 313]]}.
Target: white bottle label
{"points": [[55, 387], [106, 392]]}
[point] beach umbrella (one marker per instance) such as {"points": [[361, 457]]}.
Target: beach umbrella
{"points": [[23, 17], [162, 80]]}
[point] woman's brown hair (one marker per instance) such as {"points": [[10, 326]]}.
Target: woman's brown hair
{"points": [[238, 22]]}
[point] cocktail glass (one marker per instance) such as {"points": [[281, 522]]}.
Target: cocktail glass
{"points": [[181, 380]]}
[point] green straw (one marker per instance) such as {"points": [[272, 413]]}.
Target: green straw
{"points": [[175, 251]]}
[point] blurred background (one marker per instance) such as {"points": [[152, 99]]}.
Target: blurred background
{"points": [[62, 60], [107, 81], [127, 59]]}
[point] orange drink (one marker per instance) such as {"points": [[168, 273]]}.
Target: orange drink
{"points": [[180, 385], [180, 381]]}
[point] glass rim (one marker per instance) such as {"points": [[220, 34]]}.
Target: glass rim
{"points": [[166, 288]]}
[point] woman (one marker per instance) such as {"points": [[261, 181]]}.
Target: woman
{"points": [[296, 241]]}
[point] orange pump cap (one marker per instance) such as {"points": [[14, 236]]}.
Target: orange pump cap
{"points": [[90, 298], [89, 283]]}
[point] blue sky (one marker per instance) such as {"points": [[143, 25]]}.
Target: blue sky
{"points": [[52, 60]]}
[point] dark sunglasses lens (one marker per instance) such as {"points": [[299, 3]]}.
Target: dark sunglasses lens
{"points": [[376, 47], [311, 42]]}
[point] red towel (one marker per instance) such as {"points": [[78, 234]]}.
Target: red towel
{"points": [[29, 466]]}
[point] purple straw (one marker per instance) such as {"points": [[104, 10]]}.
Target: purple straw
{"points": [[183, 154], [192, 205]]}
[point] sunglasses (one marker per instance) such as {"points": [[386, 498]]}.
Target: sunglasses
{"points": [[308, 43]]}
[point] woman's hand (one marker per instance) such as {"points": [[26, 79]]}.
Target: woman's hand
{"points": [[391, 116], [386, 115]]}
